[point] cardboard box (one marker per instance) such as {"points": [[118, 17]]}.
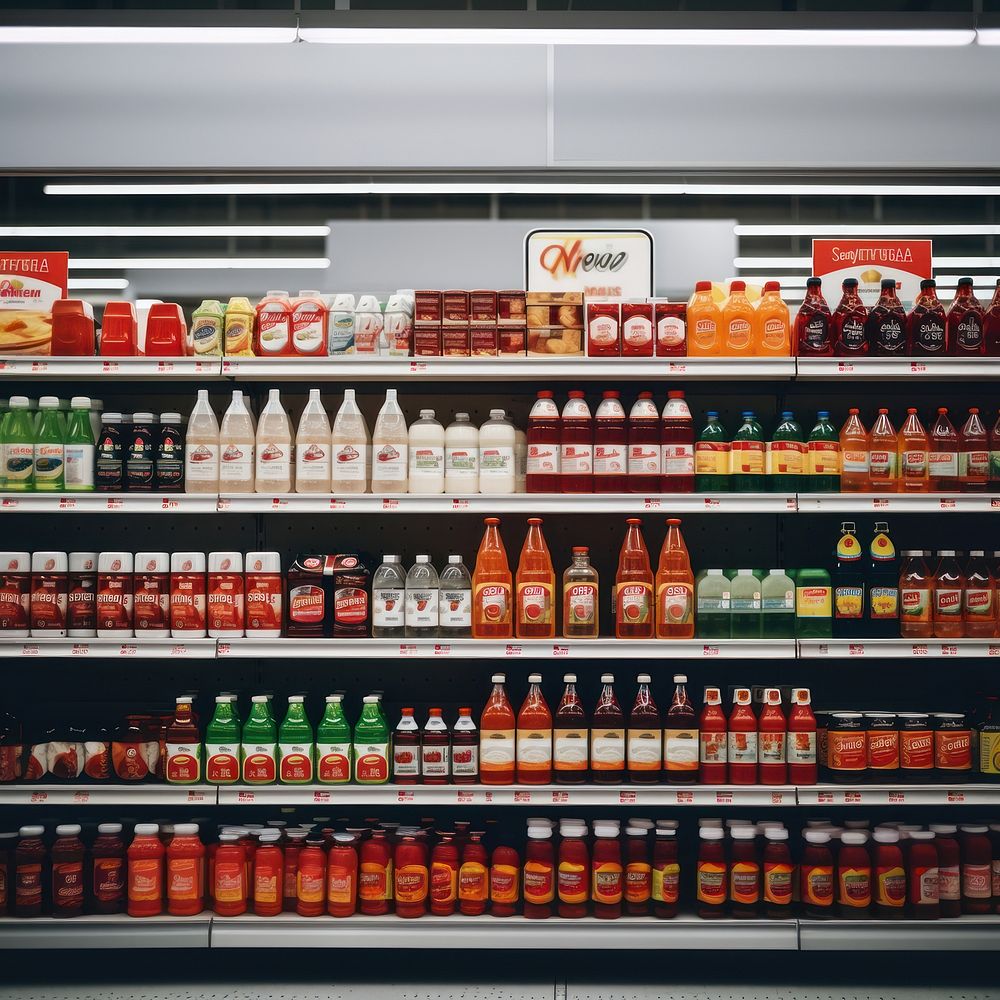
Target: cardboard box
{"points": [[455, 308], [427, 307], [455, 341], [511, 308], [512, 340], [484, 341], [29, 284]]}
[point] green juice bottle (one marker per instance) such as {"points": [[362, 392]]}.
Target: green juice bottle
{"points": [[222, 743], [746, 457], [296, 749], [259, 749], [18, 447], [778, 605], [334, 755], [80, 447], [813, 604], [786, 454], [746, 595], [713, 618], [823, 456], [711, 457], [371, 745], [50, 447]]}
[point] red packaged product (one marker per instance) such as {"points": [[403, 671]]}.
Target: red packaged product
{"points": [[427, 307], [670, 328], [264, 595], [188, 602], [49, 593], [455, 341], [15, 594], [328, 596], [225, 595], [483, 340], [455, 308], [114, 595], [151, 594], [512, 339], [512, 308], [483, 307], [637, 328], [427, 340], [916, 747], [603, 324], [81, 610]]}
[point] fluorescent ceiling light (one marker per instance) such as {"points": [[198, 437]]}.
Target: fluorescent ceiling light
{"points": [[988, 36], [96, 284], [821, 229], [555, 188], [192, 232], [135, 35], [196, 263]]}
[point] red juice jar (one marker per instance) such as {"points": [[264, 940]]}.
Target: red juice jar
{"points": [[977, 857], [744, 872], [712, 736], [606, 871], [712, 876], [310, 878], [816, 874], [29, 862], [505, 870], [923, 891], [847, 747], [666, 872], [544, 432], [107, 869], [638, 872], [375, 872], [114, 595], [263, 595], [229, 877], [268, 871], [889, 886], [188, 601], [410, 877], [854, 875], [574, 866], [742, 743], [779, 873], [576, 446], [225, 598], [949, 869], [952, 747], [916, 747], [539, 872], [883, 747], [603, 323], [185, 872], [802, 763], [145, 872], [342, 876], [444, 876], [67, 872], [295, 841], [473, 876]]}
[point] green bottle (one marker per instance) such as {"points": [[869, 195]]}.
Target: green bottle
{"points": [[222, 743], [18, 447], [745, 602], [50, 447], [296, 750], [786, 453], [711, 457], [823, 457], [371, 745], [813, 604], [778, 605], [747, 457], [80, 447], [259, 747], [334, 755], [714, 616]]}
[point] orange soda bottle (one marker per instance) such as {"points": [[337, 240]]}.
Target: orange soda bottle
{"points": [[883, 455], [913, 476], [854, 454], [772, 335], [704, 323], [737, 322], [491, 587], [634, 587], [535, 617], [674, 587]]}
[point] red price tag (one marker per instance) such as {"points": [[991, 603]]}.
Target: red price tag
{"points": [[856, 649], [956, 796], [459, 503], [39, 366], [418, 366], [464, 797], [522, 796], [709, 650], [165, 366], [321, 797], [224, 504], [896, 798], [920, 649], [80, 649], [404, 796], [245, 798], [880, 503], [228, 367], [39, 796], [917, 367], [723, 798], [676, 367], [169, 503], [824, 798], [67, 503], [512, 650], [712, 502], [115, 503], [777, 798], [791, 503], [389, 503], [407, 649], [29, 649], [993, 649], [442, 649], [223, 648], [685, 798], [626, 798], [196, 796], [947, 503], [852, 798], [179, 650], [110, 367], [277, 503], [558, 797], [9, 502], [651, 503], [81, 797], [949, 650], [127, 649], [558, 650], [845, 367], [337, 503]]}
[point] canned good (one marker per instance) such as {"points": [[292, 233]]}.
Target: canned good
{"points": [[916, 746], [847, 747], [883, 746], [952, 746]]}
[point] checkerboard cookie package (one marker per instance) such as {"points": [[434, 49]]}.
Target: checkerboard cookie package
{"points": [[29, 284]]}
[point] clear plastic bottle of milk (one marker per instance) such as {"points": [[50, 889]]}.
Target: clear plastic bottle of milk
{"points": [[237, 441], [426, 454], [352, 448], [497, 441], [274, 447], [201, 448], [461, 456], [312, 448], [390, 447]]}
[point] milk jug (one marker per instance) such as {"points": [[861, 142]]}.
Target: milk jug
{"points": [[497, 441], [461, 456], [352, 452], [426, 454]]}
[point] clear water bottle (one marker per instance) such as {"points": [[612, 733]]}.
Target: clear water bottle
{"points": [[422, 590], [455, 600], [389, 600]]}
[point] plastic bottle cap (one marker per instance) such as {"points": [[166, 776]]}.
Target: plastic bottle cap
{"points": [[259, 699], [423, 559], [390, 559], [184, 699], [31, 831], [680, 678], [109, 828], [534, 678], [499, 679], [922, 835], [569, 678], [606, 830], [636, 831], [817, 836], [776, 833], [883, 835], [296, 699], [186, 830], [370, 699], [665, 831], [68, 830], [426, 414], [854, 837], [710, 822], [539, 832], [80, 403], [644, 679], [147, 829], [743, 832], [454, 560], [731, 823], [970, 829], [607, 678], [944, 828], [711, 833]]}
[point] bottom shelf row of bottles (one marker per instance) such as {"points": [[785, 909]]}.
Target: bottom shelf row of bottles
{"points": [[607, 868]]}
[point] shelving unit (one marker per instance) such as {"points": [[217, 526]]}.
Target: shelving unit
{"points": [[105, 931], [115, 649], [82, 794]]}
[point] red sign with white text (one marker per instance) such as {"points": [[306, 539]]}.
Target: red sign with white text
{"points": [[29, 284], [872, 261]]}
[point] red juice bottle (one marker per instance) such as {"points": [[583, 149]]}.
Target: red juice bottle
{"points": [[973, 455], [979, 598], [773, 768], [185, 879], [712, 728], [848, 323], [574, 869], [406, 750], [67, 871], [497, 727], [949, 869], [813, 337], [534, 737], [742, 744], [435, 750], [965, 322], [644, 446], [854, 875], [410, 877], [713, 873], [801, 751], [665, 888], [505, 878], [816, 874], [610, 446], [638, 872], [886, 326], [942, 461], [977, 859], [923, 892], [779, 873], [991, 325], [290, 870], [444, 875], [570, 738], [949, 584], [607, 873], [145, 872], [539, 878], [268, 872], [926, 325], [374, 875], [342, 876], [634, 618], [889, 883], [744, 872], [473, 876], [544, 429], [465, 749], [677, 446], [607, 736], [680, 737], [644, 747], [229, 881], [576, 446], [107, 869]]}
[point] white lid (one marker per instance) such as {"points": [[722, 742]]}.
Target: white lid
{"points": [[970, 828], [68, 830], [185, 829], [270, 836], [743, 832], [776, 833], [49, 562], [569, 678], [152, 562], [572, 828], [636, 831], [977, 552], [454, 560], [922, 835], [817, 836], [15, 562], [370, 699], [534, 678], [498, 414], [732, 824], [109, 828], [426, 414], [112, 417], [855, 837], [710, 821], [146, 829], [665, 831], [642, 824], [170, 418], [644, 679], [423, 559], [539, 832], [680, 678], [499, 679], [225, 562], [225, 699], [946, 552], [296, 699], [946, 828], [48, 403], [114, 562], [332, 699], [667, 824], [31, 831], [606, 829], [607, 678], [187, 562], [711, 833], [390, 559], [263, 562], [259, 699], [81, 562], [18, 402], [883, 835], [142, 418], [80, 402]]}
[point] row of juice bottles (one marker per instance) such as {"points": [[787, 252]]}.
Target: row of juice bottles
{"points": [[608, 868]]}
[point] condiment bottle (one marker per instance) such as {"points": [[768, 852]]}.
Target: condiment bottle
{"points": [[644, 746], [146, 856], [606, 870], [534, 737], [665, 888], [744, 872], [712, 875], [570, 737], [67, 871], [607, 736], [539, 872], [854, 875]]}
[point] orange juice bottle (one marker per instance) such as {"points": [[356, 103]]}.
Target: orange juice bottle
{"points": [[854, 454], [772, 335], [674, 587], [913, 469], [883, 455], [535, 617], [634, 614], [737, 322], [704, 323], [491, 587]]}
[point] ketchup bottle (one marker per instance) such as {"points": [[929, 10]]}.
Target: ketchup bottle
{"points": [[773, 731], [607, 872], [848, 323], [505, 878], [473, 877], [644, 446], [712, 736], [677, 441], [576, 446], [610, 446], [67, 872], [801, 751], [544, 429], [812, 323], [965, 321], [539, 872], [742, 740], [374, 877]]}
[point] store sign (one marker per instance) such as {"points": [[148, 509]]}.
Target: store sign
{"points": [[871, 261], [29, 284], [594, 261]]}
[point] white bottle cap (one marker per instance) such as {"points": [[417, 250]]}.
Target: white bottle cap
{"points": [[776, 833], [743, 832], [15, 562], [80, 403], [114, 562], [711, 833], [607, 678], [48, 403], [225, 562], [31, 831], [146, 829], [644, 679], [454, 560], [854, 837], [186, 830], [817, 836], [423, 559], [390, 559], [109, 828], [152, 562], [82, 562], [187, 562], [534, 678], [499, 679], [263, 562], [49, 562], [68, 830]]}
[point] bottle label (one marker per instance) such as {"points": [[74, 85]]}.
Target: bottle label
{"points": [[744, 882], [996, 877], [263, 601], [339, 884], [350, 461], [610, 460], [411, 883], [67, 884], [916, 749], [882, 464], [784, 601], [312, 462], [976, 881], [580, 605], [675, 604], [473, 881], [708, 602], [942, 464], [49, 464], [455, 608], [504, 881], [184, 876], [915, 604], [421, 608], [19, 463], [855, 462], [273, 463], [638, 882], [666, 882], [634, 603], [680, 750], [426, 460], [260, 763], [746, 458], [890, 886], [493, 603], [817, 885], [145, 880], [603, 331], [464, 461], [309, 883], [855, 887], [333, 763], [236, 463], [913, 463], [772, 748], [785, 458], [849, 602], [79, 465], [225, 602], [108, 879], [543, 458], [534, 749], [852, 333], [539, 883], [947, 602], [950, 882], [713, 747], [534, 604], [183, 763], [742, 748], [644, 750], [711, 881], [444, 883], [576, 459], [371, 762], [389, 464], [889, 336], [800, 748], [435, 760], [969, 335], [569, 749], [295, 763], [929, 336], [705, 333], [496, 750], [222, 763], [777, 883], [607, 749], [883, 603], [979, 602], [374, 881], [747, 603], [711, 458], [738, 334], [606, 882], [989, 752], [188, 602], [637, 332], [813, 602], [883, 750], [823, 458], [572, 882], [49, 601], [388, 608], [677, 459], [201, 463], [974, 465], [497, 462], [643, 460], [846, 751], [924, 885]]}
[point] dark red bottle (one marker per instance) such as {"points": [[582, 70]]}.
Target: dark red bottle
{"points": [[812, 323], [965, 322], [848, 323], [926, 325], [991, 325], [886, 326]]}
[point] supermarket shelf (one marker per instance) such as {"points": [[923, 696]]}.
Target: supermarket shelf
{"points": [[898, 795], [510, 795], [136, 649], [966, 933], [506, 369], [898, 368], [894, 649], [685, 932], [108, 795], [109, 368], [517, 503], [110, 503], [897, 503], [113, 931], [513, 649]]}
